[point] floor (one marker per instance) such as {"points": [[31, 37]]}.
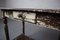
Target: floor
{"points": [[33, 31]]}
